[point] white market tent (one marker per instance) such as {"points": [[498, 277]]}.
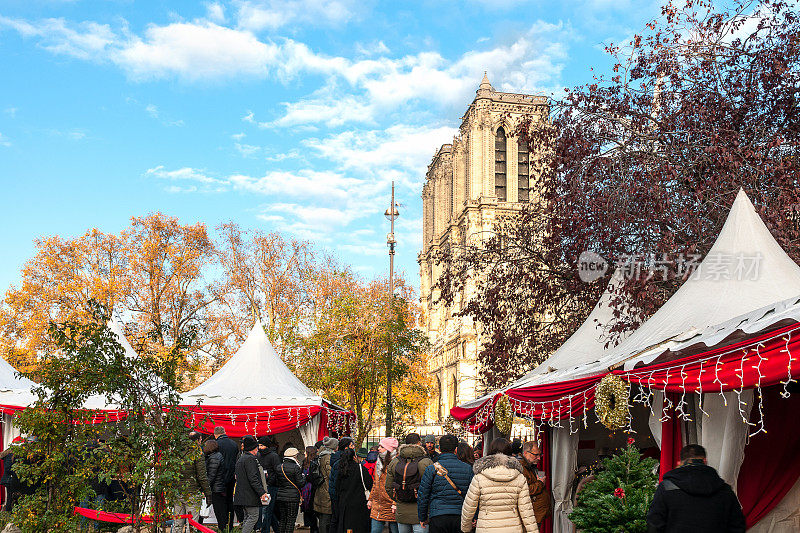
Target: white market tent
{"points": [[255, 393], [746, 285], [706, 309]]}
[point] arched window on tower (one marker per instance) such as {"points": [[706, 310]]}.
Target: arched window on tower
{"points": [[500, 165], [453, 392], [523, 172]]}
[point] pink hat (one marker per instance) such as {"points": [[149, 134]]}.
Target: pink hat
{"points": [[389, 443]]}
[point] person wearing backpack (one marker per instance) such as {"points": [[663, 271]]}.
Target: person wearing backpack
{"points": [[403, 478], [442, 489], [320, 476]]}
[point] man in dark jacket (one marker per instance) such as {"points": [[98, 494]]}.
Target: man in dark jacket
{"points": [[694, 499], [251, 491], [442, 489], [430, 448], [269, 461], [229, 451], [530, 455]]}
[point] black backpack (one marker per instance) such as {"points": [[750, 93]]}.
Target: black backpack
{"points": [[317, 480], [407, 479]]}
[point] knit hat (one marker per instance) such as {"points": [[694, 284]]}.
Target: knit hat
{"points": [[249, 443], [264, 441], [331, 443], [390, 444], [372, 457], [362, 452], [345, 443], [430, 439], [291, 452]]}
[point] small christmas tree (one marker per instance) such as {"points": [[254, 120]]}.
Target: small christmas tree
{"points": [[617, 500]]}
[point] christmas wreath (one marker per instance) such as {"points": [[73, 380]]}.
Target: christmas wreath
{"points": [[503, 415], [451, 428], [611, 402]]}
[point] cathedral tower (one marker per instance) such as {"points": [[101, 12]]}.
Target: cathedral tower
{"points": [[482, 177]]}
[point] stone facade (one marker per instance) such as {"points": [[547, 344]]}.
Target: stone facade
{"points": [[480, 178]]}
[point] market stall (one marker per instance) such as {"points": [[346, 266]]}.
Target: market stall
{"points": [[255, 393], [710, 366]]}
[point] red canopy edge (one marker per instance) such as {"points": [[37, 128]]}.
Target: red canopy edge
{"points": [[121, 518], [238, 421], [760, 361], [550, 401], [254, 420]]}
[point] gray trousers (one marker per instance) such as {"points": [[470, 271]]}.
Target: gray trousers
{"points": [[250, 519], [324, 522]]}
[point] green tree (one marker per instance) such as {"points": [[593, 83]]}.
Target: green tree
{"points": [[345, 355], [617, 500], [144, 442]]}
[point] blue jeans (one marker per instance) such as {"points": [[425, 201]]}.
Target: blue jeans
{"points": [[377, 526], [267, 516], [411, 528]]}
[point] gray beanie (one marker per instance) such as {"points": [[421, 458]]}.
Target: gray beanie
{"points": [[331, 443]]}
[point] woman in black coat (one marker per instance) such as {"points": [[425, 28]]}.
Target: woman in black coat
{"points": [[290, 481], [216, 477], [351, 502]]}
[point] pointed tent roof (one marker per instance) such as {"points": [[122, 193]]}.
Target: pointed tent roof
{"points": [[580, 348], [705, 310], [707, 300], [254, 376]]}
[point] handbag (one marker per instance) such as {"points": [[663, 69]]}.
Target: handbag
{"points": [[361, 471]]}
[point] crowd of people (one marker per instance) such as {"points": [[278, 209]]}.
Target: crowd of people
{"points": [[413, 487]]}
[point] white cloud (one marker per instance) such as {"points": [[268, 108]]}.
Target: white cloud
{"points": [[273, 14], [327, 109], [185, 173], [238, 136], [400, 147], [372, 49], [195, 51], [11, 112], [87, 40], [152, 110], [215, 12], [4, 140], [247, 150]]}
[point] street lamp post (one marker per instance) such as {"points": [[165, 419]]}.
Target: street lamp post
{"points": [[391, 214]]}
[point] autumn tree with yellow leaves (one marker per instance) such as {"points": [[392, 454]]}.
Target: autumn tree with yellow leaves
{"points": [[166, 279]]}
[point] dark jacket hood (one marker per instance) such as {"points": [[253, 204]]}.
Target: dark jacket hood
{"points": [[412, 451], [696, 479]]}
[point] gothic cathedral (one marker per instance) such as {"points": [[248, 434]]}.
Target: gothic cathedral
{"points": [[483, 176]]}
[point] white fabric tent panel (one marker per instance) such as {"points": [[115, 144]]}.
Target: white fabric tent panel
{"points": [[708, 310], [582, 347], [256, 376], [703, 301]]}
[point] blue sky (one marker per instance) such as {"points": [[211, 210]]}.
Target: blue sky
{"points": [[285, 115]]}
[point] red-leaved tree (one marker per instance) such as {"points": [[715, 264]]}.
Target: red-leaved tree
{"points": [[646, 163]]}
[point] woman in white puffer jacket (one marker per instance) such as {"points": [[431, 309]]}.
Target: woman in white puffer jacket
{"points": [[499, 493]]}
